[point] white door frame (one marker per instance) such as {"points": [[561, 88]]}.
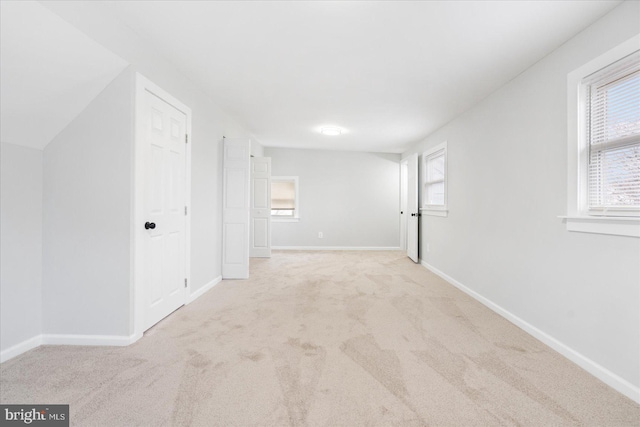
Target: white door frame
{"points": [[413, 218], [137, 201], [403, 203]]}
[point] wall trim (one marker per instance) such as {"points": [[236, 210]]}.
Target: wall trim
{"points": [[67, 339], [197, 294], [95, 340], [603, 374], [336, 248], [21, 347]]}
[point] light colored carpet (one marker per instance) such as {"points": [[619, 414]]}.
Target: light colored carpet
{"points": [[322, 339]]}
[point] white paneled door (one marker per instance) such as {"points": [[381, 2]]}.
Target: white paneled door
{"points": [[164, 208], [236, 187], [412, 211], [260, 207]]}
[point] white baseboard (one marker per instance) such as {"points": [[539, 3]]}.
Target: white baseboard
{"points": [[197, 294], [22, 347], [67, 339], [336, 248], [603, 374], [98, 340]]}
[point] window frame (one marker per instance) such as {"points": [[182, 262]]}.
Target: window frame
{"points": [[579, 217], [435, 210], [296, 211]]}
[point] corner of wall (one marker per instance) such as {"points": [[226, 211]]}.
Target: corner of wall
{"points": [[86, 217], [21, 247]]}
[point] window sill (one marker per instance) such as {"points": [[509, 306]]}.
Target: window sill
{"points": [[276, 219], [615, 226], [434, 212]]}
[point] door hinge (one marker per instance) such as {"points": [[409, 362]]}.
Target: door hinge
{"points": [[186, 138], [185, 282], [185, 210]]}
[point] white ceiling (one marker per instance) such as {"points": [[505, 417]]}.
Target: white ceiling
{"points": [[49, 72], [389, 72]]}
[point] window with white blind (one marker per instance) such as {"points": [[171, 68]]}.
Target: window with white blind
{"points": [[284, 197], [434, 188], [613, 138], [604, 143]]}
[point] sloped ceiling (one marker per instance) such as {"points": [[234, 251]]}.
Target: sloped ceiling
{"points": [[387, 72], [49, 72]]}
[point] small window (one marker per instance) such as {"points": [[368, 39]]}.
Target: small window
{"points": [[284, 197], [612, 119], [434, 196]]}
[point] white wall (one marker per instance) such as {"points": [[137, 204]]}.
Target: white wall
{"points": [[21, 245], [351, 197], [507, 185], [87, 218], [257, 150], [209, 125], [85, 204]]}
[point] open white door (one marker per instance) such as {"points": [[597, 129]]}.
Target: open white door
{"points": [[164, 238], [235, 208], [260, 207], [412, 211]]}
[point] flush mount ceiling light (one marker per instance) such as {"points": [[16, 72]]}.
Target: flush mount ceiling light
{"points": [[330, 130]]}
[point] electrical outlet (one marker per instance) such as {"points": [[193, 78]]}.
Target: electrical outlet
{"points": [[320, 235]]}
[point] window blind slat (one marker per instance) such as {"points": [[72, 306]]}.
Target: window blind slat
{"points": [[614, 175], [613, 129]]}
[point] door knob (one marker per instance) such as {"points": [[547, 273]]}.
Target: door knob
{"points": [[149, 225], [413, 214]]}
